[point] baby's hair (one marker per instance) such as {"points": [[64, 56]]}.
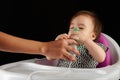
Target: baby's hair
{"points": [[96, 21]]}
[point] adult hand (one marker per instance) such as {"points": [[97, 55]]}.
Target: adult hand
{"points": [[59, 49]]}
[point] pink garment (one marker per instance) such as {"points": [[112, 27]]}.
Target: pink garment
{"points": [[102, 39]]}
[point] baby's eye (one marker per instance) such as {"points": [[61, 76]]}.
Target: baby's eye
{"points": [[72, 28], [80, 28]]}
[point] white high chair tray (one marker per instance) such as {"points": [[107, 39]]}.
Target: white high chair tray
{"points": [[28, 70]]}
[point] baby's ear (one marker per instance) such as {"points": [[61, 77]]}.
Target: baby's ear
{"points": [[93, 37]]}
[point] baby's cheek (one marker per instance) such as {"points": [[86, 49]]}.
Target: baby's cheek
{"points": [[69, 33]]}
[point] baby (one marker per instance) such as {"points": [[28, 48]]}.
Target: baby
{"points": [[85, 28]]}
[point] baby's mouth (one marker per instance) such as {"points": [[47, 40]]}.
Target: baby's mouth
{"points": [[73, 34]]}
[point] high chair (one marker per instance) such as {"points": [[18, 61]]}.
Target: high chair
{"points": [[43, 69]]}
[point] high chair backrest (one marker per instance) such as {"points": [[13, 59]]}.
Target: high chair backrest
{"points": [[102, 39]]}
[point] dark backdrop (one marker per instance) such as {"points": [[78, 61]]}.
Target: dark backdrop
{"points": [[43, 20]]}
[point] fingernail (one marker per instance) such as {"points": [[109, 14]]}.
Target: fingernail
{"points": [[74, 60]]}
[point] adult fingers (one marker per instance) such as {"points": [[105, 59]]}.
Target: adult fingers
{"points": [[71, 41], [68, 56], [71, 48]]}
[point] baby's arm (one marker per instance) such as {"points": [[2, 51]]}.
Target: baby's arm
{"points": [[97, 52]]}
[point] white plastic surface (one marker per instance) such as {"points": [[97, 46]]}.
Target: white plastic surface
{"points": [[47, 70]]}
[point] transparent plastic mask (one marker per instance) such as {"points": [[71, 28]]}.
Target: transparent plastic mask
{"points": [[75, 30]]}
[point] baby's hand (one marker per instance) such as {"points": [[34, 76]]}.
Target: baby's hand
{"points": [[80, 38], [62, 36]]}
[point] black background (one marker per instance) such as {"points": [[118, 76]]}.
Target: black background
{"points": [[43, 20]]}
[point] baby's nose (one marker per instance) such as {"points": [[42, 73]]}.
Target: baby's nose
{"points": [[76, 29]]}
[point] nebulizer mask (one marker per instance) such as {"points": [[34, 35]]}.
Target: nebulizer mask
{"points": [[74, 30]]}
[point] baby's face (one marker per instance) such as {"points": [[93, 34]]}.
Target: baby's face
{"points": [[84, 23]]}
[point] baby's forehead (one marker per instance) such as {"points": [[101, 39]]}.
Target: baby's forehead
{"points": [[82, 21], [83, 15], [82, 18]]}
